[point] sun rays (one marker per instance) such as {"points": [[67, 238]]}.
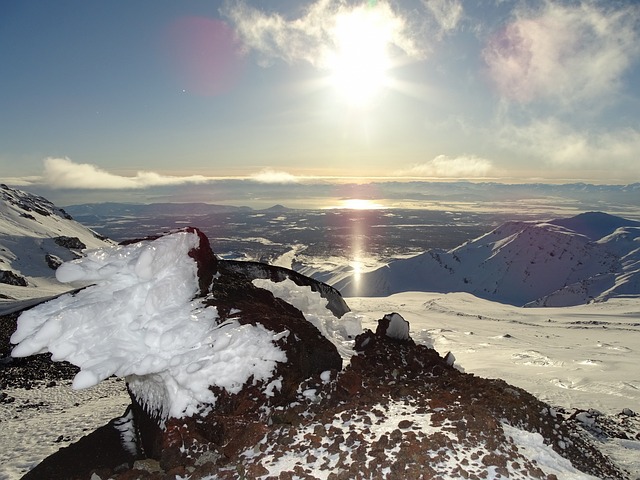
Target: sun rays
{"points": [[360, 61]]}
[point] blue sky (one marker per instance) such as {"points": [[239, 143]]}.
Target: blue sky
{"points": [[125, 95]]}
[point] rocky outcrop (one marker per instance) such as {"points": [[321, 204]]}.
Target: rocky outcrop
{"points": [[11, 278], [308, 353], [252, 270], [27, 202], [72, 243], [53, 261]]}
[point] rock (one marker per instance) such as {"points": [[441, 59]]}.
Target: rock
{"points": [[393, 325], [11, 278], [354, 426], [239, 415], [72, 243], [252, 270], [239, 418], [53, 261]]}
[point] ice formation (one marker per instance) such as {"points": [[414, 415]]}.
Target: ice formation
{"points": [[140, 321]]}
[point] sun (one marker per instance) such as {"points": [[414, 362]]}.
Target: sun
{"points": [[360, 61]]}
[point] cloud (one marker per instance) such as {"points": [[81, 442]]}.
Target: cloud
{"points": [[447, 167], [567, 53], [560, 145], [447, 13], [64, 173], [310, 37], [272, 176]]}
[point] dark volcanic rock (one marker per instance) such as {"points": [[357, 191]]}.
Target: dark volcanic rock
{"points": [[252, 270], [27, 372], [352, 426], [243, 415], [72, 243], [307, 351], [12, 278], [53, 261]]}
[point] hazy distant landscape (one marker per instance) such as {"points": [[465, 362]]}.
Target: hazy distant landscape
{"points": [[266, 234]]}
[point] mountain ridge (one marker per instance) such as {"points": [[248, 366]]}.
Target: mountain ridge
{"points": [[522, 263], [36, 237]]}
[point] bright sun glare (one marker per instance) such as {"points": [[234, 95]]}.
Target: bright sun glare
{"points": [[360, 204], [360, 61]]}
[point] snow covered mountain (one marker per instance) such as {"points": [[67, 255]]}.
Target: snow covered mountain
{"points": [[36, 237], [592, 256]]}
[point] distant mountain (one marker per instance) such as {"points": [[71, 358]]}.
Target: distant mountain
{"points": [[592, 256], [91, 211], [35, 237], [594, 225], [277, 208]]}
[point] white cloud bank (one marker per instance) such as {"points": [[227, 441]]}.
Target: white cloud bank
{"points": [[468, 166], [564, 53], [64, 173], [269, 175]]}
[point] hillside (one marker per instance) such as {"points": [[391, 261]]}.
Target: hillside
{"points": [[592, 256], [36, 237]]}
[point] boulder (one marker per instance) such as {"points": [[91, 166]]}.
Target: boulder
{"points": [[242, 415]]}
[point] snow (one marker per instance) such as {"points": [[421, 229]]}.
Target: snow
{"points": [[341, 332], [29, 226], [138, 321], [42, 420], [398, 327], [534, 448]]}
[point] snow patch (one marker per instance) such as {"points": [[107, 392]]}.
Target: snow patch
{"points": [[398, 328], [340, 332]]}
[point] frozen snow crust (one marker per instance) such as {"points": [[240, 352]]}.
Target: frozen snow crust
{"points": [[140, 321]]}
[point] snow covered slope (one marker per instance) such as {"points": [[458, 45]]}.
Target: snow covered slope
{"points": [[557, 263], [35, 237]]}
